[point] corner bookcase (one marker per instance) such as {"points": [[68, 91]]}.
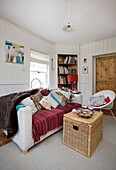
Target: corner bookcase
{"points": [[67, 64]]}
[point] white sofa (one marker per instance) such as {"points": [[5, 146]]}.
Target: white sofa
{"points": [[23, 137]]}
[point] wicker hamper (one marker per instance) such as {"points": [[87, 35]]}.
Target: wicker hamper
{"points": [[82, 134]]}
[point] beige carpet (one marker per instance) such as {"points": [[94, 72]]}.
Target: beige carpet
{"points": [[51, 154]]}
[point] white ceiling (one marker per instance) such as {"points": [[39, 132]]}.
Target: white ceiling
{"points": [[93, 19]]}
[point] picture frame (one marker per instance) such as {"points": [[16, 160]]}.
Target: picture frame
{"points": [[85, 60], [85, 69], [14, 53]]}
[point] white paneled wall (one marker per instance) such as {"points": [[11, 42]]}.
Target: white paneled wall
{"points": [[15, 77], [67, 48], [9, 88], [88, 51]]}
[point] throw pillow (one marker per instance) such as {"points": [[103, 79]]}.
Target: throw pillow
{"points": [[107, 99], [45, 92], [29, 102], [45, 104], [59, 98], [20, 105], [97, 100], [66, 94], [51, 101], [36, 98]]}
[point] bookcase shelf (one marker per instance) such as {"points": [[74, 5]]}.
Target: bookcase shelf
{"points": [[67, 64]]}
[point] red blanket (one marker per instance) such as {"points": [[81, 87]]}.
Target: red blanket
{"points": [[46, 120]]}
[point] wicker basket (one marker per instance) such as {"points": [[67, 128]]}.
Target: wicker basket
{"points": [[81, 134]]}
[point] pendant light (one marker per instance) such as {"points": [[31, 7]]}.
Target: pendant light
{"points": [[69, 27]]}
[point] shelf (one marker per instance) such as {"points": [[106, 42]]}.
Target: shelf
{"points": [[63, 74], [65, 85], [67, 64]]}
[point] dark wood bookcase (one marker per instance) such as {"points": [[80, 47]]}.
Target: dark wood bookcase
{"points": [[67, 64]]}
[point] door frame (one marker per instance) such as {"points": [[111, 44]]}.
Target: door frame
{"points": [[94, 68]]}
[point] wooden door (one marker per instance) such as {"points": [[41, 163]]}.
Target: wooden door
{"points": [[106, 74]]}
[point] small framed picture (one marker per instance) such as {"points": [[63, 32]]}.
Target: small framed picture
{"points": [[85, 70], [85, 60]]}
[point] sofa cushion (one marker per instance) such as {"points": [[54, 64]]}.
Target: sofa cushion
{"points": [[45, 103], [97, 100], [20, 105], [45, 92], [53, 103], [59, 97], [29, 102], [36, 98], [66, 94], [107, 99]]}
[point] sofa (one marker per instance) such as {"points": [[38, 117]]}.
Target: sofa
{"points": [[37, 123]]}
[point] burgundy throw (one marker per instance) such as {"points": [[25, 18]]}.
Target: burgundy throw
{"points": [[46, 120]]}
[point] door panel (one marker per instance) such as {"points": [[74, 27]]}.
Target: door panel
{"points": [[106, 74]]}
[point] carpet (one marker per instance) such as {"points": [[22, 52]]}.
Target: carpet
{"points": [[51, 154]]}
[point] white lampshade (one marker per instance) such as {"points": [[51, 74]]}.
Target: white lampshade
{"points": [[68, 28]]}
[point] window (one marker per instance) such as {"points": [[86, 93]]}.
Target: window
{"points": [[39, 70]]}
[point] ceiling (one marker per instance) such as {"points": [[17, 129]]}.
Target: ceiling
{"points": [[93, 19]]}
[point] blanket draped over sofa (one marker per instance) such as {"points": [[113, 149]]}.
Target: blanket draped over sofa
{"points": [[8, 113], [46, 120]]}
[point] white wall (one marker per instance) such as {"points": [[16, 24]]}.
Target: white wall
{"points": [[15, 77], [87, 51]]}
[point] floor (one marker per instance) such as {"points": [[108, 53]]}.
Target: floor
{"points": [[3, 139], [51, 154]]}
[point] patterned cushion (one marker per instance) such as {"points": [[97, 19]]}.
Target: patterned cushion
{"points": [[36, 98], [45, 104], [51, 101], [66, 94], [97, 100], [59, 98]]}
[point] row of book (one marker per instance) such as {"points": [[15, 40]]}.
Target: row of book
{"points": [[62, 80], [70, 60], [64, 70]]}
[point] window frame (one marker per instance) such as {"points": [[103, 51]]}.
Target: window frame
{"points": [[41, 62]]}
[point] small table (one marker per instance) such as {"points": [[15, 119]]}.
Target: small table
{"points": [[83, 134]]}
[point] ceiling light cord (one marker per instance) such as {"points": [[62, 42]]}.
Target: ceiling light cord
{"points": [[68, 10], [69, 27]]}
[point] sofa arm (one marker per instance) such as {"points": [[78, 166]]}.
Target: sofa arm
{"points": [[23, 138], [24, 119]]}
